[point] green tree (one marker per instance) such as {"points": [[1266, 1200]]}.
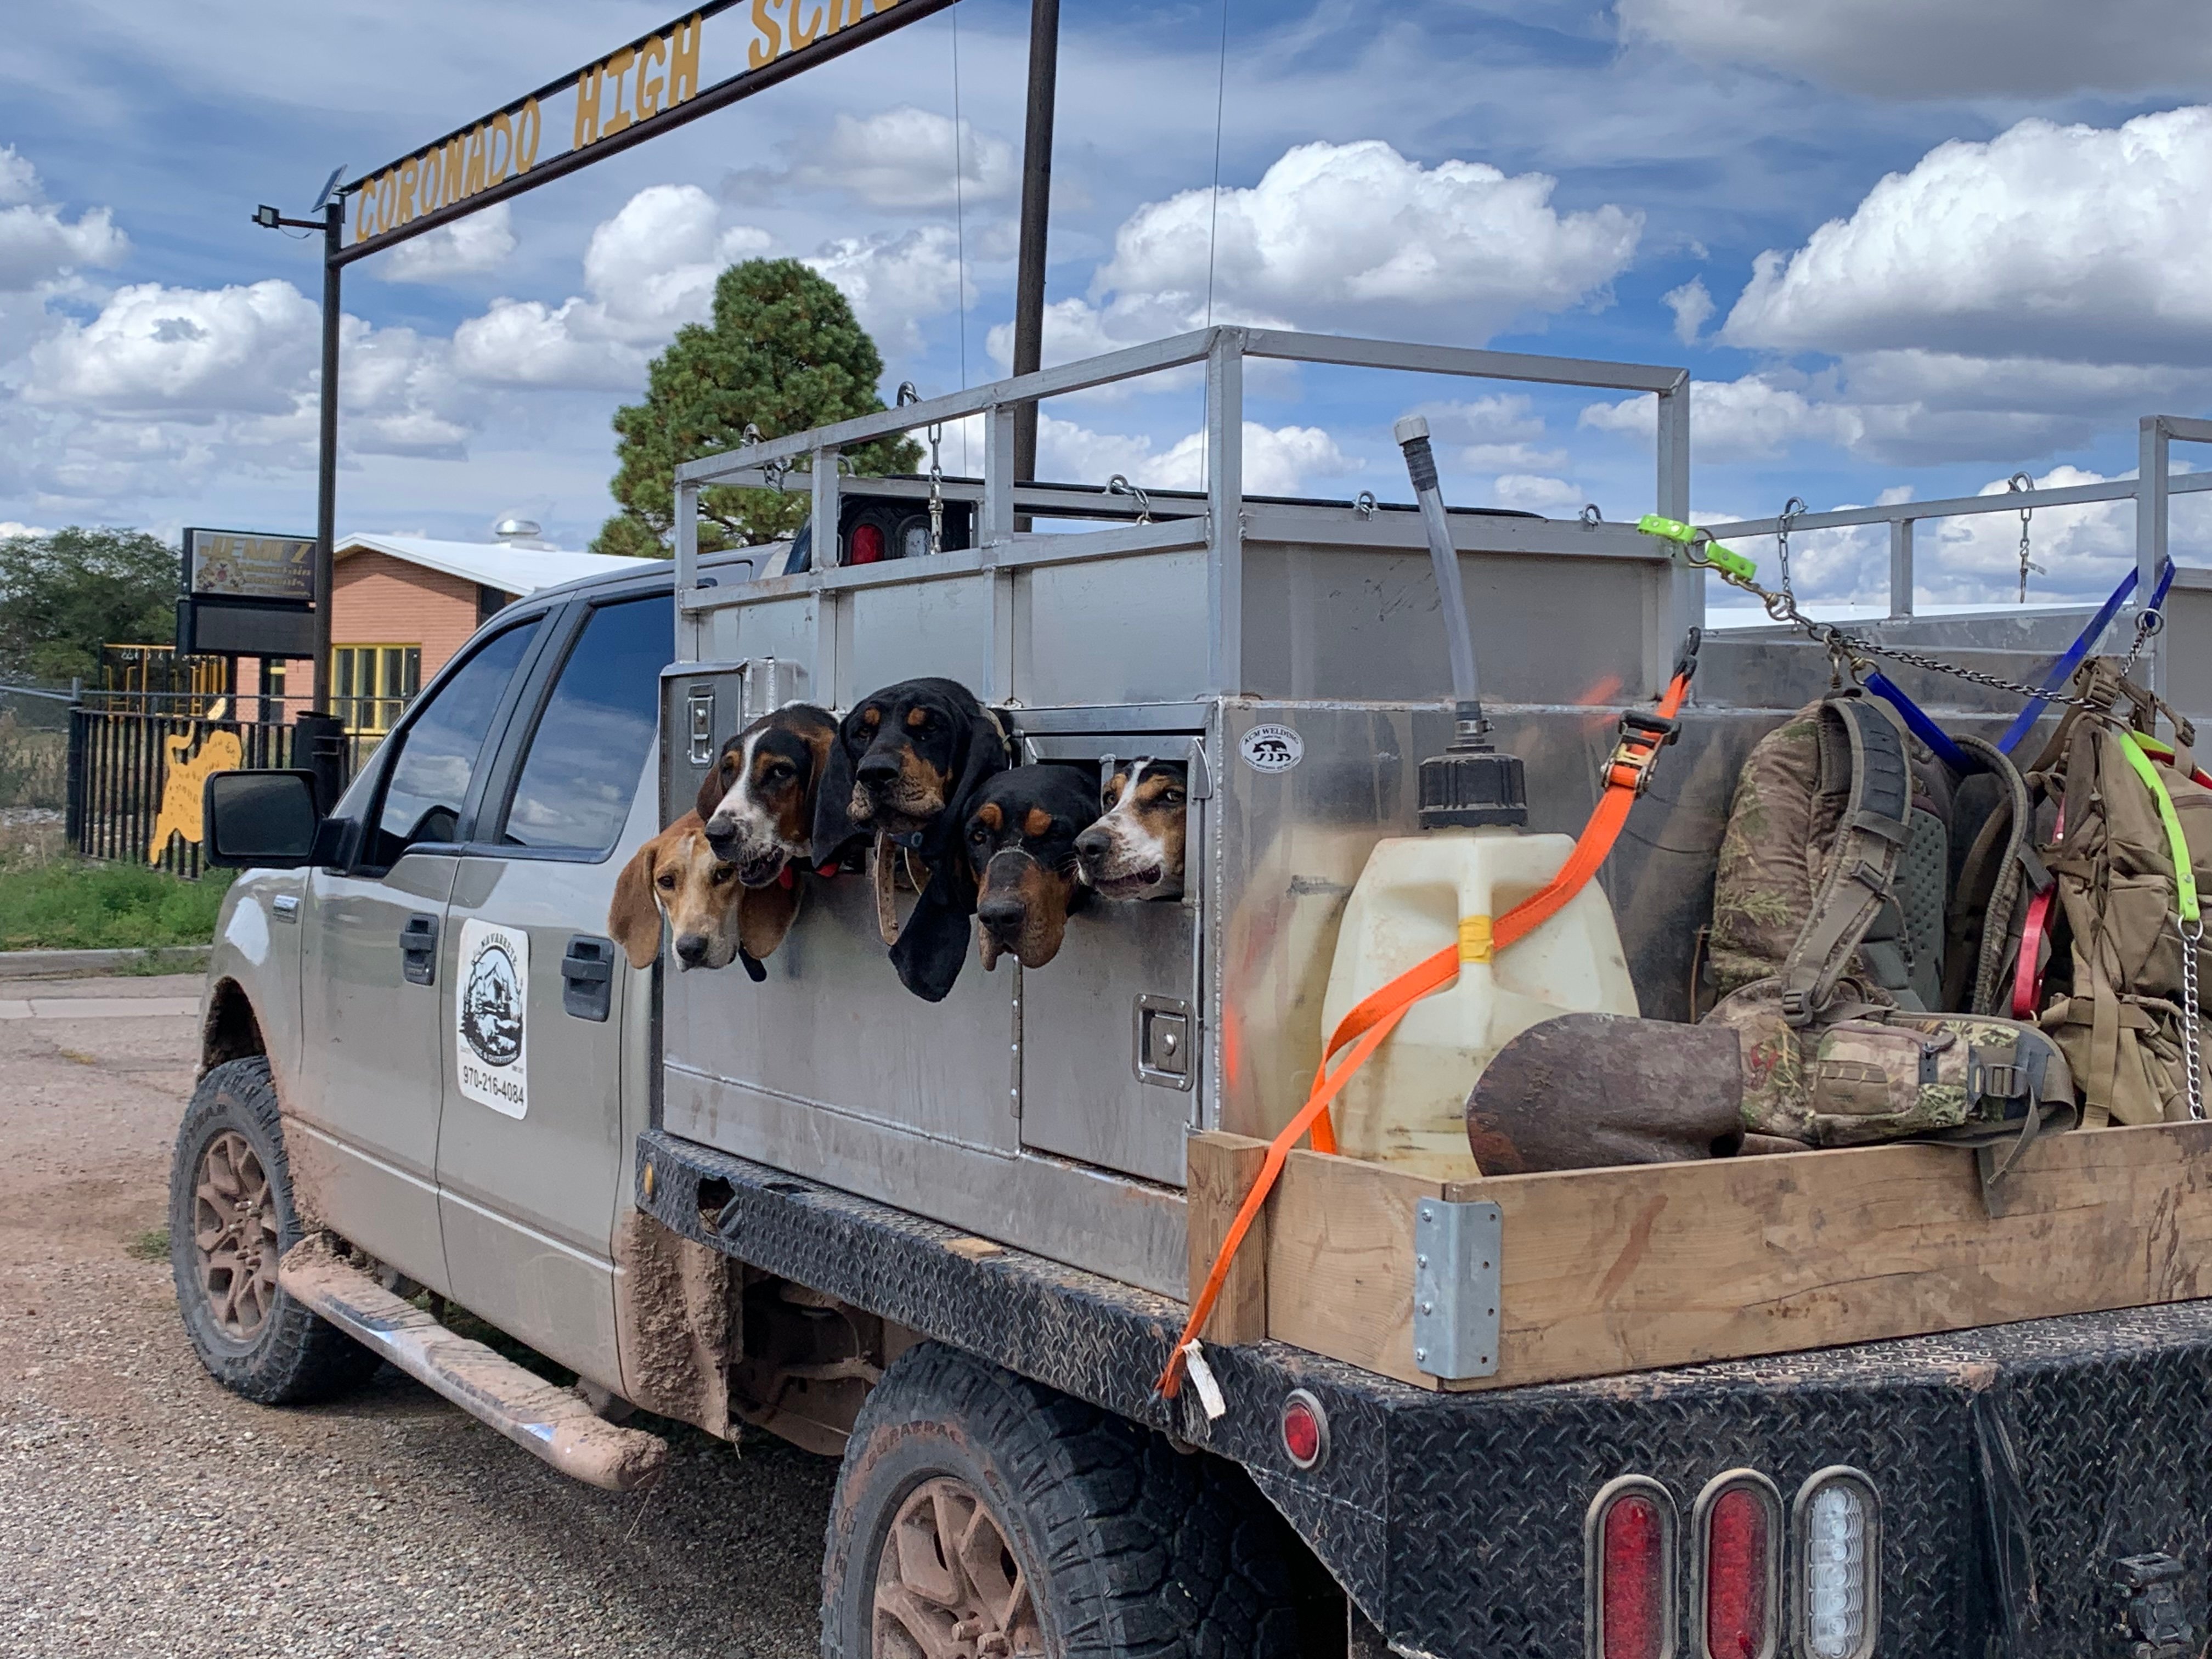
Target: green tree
{"points": [[783, 353], [65, 594]]}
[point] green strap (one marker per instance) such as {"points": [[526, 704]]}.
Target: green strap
{"points": [[1703, 549], [2185, 875]]}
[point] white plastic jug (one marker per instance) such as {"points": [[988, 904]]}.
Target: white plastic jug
{"points": [[1419, 894]]}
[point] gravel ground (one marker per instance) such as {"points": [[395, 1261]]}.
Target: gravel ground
{"points": [[145, 1511]]}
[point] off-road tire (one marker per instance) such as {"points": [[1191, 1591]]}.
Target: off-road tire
{"points": [[1130, 1549], [291, 1356]]}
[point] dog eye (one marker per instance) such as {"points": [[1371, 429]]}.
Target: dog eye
{"points": [[666, 883], [723, 873], [1171, 797], [781, 771], [978, 835]]}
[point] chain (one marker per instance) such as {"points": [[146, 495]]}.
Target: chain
{"points": [[1783, 607], [936, 490], [1118, 485], [1791, 509], [2189, 1036], [2019, 482], [2150, 623]]}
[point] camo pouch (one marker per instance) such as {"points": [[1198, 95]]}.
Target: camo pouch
{"points": [[1897, 1075]]}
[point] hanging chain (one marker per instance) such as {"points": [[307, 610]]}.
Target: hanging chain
{"points": [[908, 394], [1791, 509], [2020, 482], [2191, 1058], [1118, 485], [1783, 607], [2148, 625]]}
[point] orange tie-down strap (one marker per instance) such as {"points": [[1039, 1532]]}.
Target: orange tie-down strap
{"points": [[1626, 772]]}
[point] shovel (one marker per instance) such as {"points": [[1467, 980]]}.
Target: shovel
{"points": [[1584, 1091]]}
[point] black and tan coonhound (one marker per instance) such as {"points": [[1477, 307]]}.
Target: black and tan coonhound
{"points": [[1022, 831]]}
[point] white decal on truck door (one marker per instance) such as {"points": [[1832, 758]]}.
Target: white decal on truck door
{"points": [[490, 994]]}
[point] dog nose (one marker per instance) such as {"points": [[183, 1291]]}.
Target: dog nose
{"points": [[722, 836], [1093, 843], [877, 768], [999, 912], [691, 948]]}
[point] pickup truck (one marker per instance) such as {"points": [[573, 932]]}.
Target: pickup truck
{"points": [[1824, 1404]]}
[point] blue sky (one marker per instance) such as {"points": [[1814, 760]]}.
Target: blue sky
{"points": [[1904, 246]]}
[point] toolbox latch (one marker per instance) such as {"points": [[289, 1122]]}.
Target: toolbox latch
{"points": [[699, 707], [1164, 1040], [1458, 1258]]}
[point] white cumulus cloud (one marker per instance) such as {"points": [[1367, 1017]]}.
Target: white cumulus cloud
{"points": [[1278, 460], [899, 158], [1944, 48], [37, 243], [894, 281], [195, 352], [467, 247], [1357, 234]]}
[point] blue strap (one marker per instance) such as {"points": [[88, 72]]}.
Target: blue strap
{"points": [[1923, 728], [2082, 646]]}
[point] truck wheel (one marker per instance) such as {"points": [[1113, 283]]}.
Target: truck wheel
{"points": [[230, 1222], [981, 1514]]}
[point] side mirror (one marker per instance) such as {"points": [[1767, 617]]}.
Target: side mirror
{"points": [[261, 820]]}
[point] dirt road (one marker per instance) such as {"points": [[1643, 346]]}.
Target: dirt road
{"points": [[145, 1511]]}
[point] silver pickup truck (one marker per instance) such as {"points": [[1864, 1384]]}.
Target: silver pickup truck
{"points": [[953, 1243]]}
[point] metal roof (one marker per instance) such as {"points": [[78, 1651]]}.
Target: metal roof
{"points": [[510, 569]]}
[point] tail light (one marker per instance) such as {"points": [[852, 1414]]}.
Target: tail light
{"points": [[1837, 1535], [1736, 1543], [1628, 1542], [867, 545]]}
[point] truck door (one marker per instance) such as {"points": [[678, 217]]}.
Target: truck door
{"points": [[371, 985], [530, 1152]]}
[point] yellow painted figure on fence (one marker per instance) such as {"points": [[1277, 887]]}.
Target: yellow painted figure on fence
{"points": [[184, 783]]}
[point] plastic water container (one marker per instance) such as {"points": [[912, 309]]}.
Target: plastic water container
{"points": [[1417, 895]]}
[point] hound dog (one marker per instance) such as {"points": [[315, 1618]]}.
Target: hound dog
{"points": [[906, 765], [1021, 845], [759, 800], [713, 916], [1135, 851]]}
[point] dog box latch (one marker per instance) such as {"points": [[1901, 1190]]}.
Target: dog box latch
{"points": [[701, 710], [1458, 1260], [1164, 1039]]}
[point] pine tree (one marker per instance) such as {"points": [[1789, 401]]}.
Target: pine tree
{"points": [[784, 353]]}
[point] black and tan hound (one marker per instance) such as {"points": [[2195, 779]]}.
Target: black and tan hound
{"points": [[905, 767], [1021, 844]]}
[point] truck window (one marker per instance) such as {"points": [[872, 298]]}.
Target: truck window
{"points": [[590, 748], [430, 779]]}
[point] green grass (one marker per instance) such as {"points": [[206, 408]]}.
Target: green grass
{"points": [[152, 1245], [71, 904]]}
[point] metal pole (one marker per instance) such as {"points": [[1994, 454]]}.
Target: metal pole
{"points": [[326, 459], [1036, 213], [1900, 567], [2151, 484]]}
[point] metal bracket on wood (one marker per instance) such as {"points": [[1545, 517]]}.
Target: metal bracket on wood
{"points": [[1458, 1258]]}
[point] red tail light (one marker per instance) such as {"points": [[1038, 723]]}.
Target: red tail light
{"points": [[1630, 1548], [1738, 1531], [867, 546]]}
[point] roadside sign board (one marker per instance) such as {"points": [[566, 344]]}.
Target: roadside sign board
{"points": [[655, 83], [246, 593]]}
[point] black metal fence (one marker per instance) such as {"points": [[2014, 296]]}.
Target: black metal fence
{"points": [[137, 772]]}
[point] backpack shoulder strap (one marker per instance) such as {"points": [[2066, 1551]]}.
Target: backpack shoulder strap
{"points": [[1868, 838]]}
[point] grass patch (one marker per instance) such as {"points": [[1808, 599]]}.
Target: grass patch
{"points": [[73, 904], [152, 1245]]}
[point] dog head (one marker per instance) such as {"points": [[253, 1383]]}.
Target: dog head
{"points": [[1135, 851], [714, 918], [758, 802], [1021, 837], [903, 758]]}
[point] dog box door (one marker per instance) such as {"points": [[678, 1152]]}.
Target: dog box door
{"points": [[1109, 1028]]}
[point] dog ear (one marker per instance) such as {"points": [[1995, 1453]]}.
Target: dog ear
{"points": [[764, 916], [833, 801], [633, 917], [934, 943]]}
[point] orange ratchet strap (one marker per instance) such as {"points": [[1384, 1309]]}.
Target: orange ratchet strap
{"points": [[1627, 774]]}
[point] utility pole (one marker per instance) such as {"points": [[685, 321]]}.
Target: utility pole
{"points": [[1036, 213]]}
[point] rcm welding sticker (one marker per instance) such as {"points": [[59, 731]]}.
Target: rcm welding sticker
{"points": [[1271, 748], [490, 994]]}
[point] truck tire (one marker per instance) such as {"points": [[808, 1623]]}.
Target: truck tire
{"points": [[1074, 1533], [230, 1221]]}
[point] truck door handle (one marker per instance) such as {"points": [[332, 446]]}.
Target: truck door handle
{"points": [[587, 976], [418, 950]]}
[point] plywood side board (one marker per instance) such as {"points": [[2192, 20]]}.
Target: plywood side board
{"points": [[1617, 1270]]}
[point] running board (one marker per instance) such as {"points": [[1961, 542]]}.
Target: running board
{"points": [[547, 1421]]}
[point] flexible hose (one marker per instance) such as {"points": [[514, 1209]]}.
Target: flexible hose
{"points": [[1412, 436]]}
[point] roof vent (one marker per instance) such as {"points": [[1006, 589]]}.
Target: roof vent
{"points": [[518, 531]]}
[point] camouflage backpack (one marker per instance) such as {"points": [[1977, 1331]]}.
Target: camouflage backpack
{"points": [[2104, 968], [1845, 927]]}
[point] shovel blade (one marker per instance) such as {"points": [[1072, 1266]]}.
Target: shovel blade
{"points": [[1585, 1091]]}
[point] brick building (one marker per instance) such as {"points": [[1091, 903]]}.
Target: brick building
{"points": [[402, 605]]}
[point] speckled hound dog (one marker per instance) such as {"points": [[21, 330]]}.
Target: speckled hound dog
{"points": [[713, 917], [906, 765], [1021, 845], [1135, 850], [759, 800]]}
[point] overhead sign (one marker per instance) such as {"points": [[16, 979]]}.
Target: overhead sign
{"points": [[249, 566], [655, 83]]}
